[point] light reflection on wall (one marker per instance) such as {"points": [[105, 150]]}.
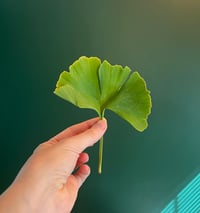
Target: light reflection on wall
{"points": [[188, 200]]}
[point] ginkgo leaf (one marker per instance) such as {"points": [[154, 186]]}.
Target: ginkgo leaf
{"points": [[80, 85], [133, 102], [111, 79], [100, 86]]}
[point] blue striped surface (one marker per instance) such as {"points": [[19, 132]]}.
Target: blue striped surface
{"points": [[188, 200]]}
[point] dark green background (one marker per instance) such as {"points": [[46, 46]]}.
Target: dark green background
{"points": [[142, 172]]}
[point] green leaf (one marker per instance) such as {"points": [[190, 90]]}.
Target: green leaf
{"points": [[80, 85], [133, 102], [100, 86], [111, 79]]}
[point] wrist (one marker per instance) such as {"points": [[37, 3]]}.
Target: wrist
{"points": [[13, 201]]}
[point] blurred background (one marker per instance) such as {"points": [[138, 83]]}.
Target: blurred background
{"points": [[142, 172]]}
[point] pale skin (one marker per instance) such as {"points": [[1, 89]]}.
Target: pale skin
{"points": [[47, 182]]}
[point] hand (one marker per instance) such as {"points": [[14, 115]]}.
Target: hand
{"points": [[47, 182]]}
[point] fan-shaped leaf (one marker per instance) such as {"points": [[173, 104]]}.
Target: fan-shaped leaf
{"points": [[100, 86], [80, 85]]}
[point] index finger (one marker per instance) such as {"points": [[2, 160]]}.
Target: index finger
{"points": [[75, 129], [80, 142]]}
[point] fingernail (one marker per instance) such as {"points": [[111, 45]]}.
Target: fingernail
{"points": [[101, 124]]}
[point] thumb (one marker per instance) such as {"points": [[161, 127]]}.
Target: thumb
{"points": [[81, 141]]}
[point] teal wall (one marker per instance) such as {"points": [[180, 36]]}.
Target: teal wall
{"points": [[142, 172]]}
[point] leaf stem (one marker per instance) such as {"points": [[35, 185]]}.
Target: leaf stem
{"points": [[100, 155], [101, 148]]}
